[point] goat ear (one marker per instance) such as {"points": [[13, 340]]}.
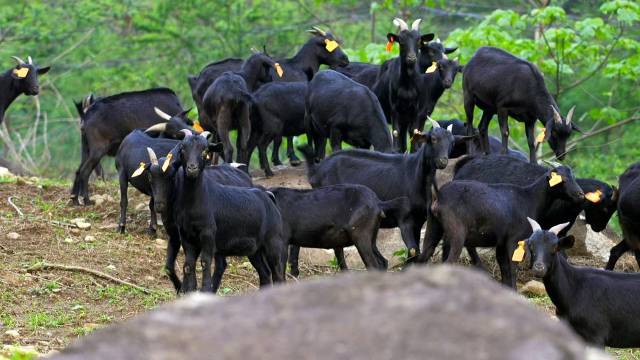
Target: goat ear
{"points": [[43, 70], [215, 147], [575, 127], [616, 194], [565, 243], [427, 37], [450, 50], [391, 37], [547, 130]]}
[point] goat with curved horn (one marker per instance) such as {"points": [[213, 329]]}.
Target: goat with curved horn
{"points": [[152, 156], [556, 115], [416, 25], [162, 114], [401, 24], [161, 127], [18, 60]]}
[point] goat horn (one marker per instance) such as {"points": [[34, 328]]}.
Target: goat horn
{"points": [[570, 115], [433, 123], [205, 134], [162, 114], [186, 132], [438, 40], [18, 60], [534, 225], [157, 127], [416, 25], [30, 60], [556, 229], [556, 115], [152, 156], [401, 24], [85, 103]]}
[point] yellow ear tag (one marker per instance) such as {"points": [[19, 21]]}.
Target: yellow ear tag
{"points": [[22, 72], [279, 69], [540, 137], [331, 45], [555, 179], [139, 170], [518, 254], [594, 196], [167, 161], [432, 68], [197, 127]]}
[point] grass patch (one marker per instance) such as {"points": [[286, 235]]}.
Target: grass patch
{"points": [[45, 320], [7, 320]]}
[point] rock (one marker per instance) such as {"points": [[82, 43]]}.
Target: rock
{"points": [[97, 199], [69, 240], [89, 238], [14, 334], [83, 225], [161, 244], [77, 220], [13, 236], [111, 267], [533, 288], [149, 278], [590, 243], [6, 173], [440, 312]]}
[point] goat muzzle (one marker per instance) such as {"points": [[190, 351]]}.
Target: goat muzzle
{"points": [[441, 163]]}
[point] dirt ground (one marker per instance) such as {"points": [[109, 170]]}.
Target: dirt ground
{"points": [[46, 308]]}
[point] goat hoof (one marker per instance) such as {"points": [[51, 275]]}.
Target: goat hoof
{"points": [[295, 162], [121, 229], [276, 162], [151, 232], [74, 201], [88, 202]]}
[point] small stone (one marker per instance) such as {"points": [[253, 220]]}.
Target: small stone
{"points": [[69, 240], [12, 333], [161, 244], [149, 278], [13, 236], [97, 199], [111, 267], [77, 220], [89, 238], [83, 225], [533, 288]]}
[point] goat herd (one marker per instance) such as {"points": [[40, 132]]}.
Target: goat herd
{"points": [[495, 200]]}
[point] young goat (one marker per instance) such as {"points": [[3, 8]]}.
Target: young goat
{"points": [[312, 219], [218, 220], [475, 214], [600, 305]]}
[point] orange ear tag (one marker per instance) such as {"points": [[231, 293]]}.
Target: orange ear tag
{"points": [[279, 70], [197, 127], [594, 196], [518, 254], [540, 137], [22, 72], [555, 179], [331, 45], [389, 46]]}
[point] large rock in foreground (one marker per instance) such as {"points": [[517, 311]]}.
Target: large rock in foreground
{"points": [[439, 312]]}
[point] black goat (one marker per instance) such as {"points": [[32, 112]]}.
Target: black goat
{"points": [[390, 176], [311, 219], [161, 178], [81, 108], [200, 83], [398, 84], [340, 108], [219, 220], [228, 102], [500, 83], [599, 305], [432, 51], [628, 215], [131, 156], [106, 123], [278, 111], [22, 79], [475, 214], [494, 169]]}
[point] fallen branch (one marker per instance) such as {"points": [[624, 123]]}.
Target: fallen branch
{"points": [[45, 266], [15, 207]]}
